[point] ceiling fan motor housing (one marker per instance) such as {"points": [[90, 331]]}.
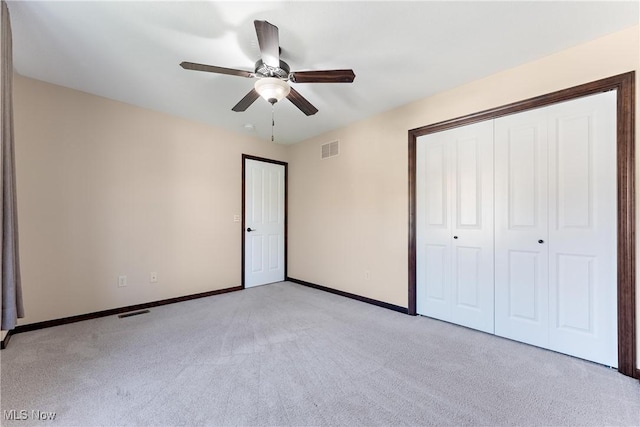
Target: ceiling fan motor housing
{"points": [[264, 70]]}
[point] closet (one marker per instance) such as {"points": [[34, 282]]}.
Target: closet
{"points": [[516, 227]]}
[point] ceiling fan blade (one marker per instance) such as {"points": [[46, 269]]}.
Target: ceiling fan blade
{"points": [[326, 76], [246, 101], [218, 70], [301, 102], [269, 42]]}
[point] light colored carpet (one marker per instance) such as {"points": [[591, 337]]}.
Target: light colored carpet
{"points": [[284, 354]]}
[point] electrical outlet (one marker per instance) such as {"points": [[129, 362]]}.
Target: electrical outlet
{"points": [[367, 275], [153, 277], [122, 281], [236, 218]]}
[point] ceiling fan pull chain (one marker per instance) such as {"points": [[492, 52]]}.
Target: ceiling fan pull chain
{"points": [[273, 121]]}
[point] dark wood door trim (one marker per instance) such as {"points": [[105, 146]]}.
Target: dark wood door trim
{"points": [[286, 209], [625, 86]]}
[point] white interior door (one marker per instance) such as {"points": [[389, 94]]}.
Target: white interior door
{"points": [[582, 232], [264, 223], [556, 248], [521, 243], [455, 226]]}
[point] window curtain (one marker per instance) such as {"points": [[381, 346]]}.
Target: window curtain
{"points": [[12, 307]]}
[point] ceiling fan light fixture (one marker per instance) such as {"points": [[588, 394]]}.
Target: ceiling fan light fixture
{"points": [[272, 89]]}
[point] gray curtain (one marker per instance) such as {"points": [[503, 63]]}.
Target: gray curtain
{"points": [[12, 307]]}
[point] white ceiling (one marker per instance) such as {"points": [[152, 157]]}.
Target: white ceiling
{"points": [[400, 51]]}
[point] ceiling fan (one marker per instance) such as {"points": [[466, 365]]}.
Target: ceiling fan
{"points": [[274, 75]]}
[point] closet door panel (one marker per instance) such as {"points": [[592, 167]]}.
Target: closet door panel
{"points": [[583, 246], [435, 298], [455, 226], [436, 191], [468, 180], [521, 271], [433, 222], [523, 303], [575, 293], [472, 262]]}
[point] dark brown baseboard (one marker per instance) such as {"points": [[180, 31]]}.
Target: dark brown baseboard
{"points": [[350, 295], [637, 373], [5, 341], [111, 312]]}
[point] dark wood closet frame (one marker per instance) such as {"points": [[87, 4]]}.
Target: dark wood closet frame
{"points": [[625, 86]]}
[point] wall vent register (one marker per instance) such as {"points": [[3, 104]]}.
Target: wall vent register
{"points": [[330, 149]]}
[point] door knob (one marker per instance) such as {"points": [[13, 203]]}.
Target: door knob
{"points": [[249, 229], [455, 237], [541, 241]]}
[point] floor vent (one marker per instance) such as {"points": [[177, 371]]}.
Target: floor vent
{"points": [[132, 313], [330, 149]]}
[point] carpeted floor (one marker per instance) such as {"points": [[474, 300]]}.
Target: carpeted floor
{"points": [[284, 354]]}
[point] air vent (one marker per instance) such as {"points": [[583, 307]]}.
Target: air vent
{"points": [[330, 149]]}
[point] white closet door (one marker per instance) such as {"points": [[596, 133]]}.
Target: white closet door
{"points": [[455, 226], [556, 284], [582, 234], [433, 223], [521, 247], [472, 257]]}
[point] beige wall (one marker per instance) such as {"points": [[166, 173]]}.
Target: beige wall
{"points": [[108, 189], [348, 214]]}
